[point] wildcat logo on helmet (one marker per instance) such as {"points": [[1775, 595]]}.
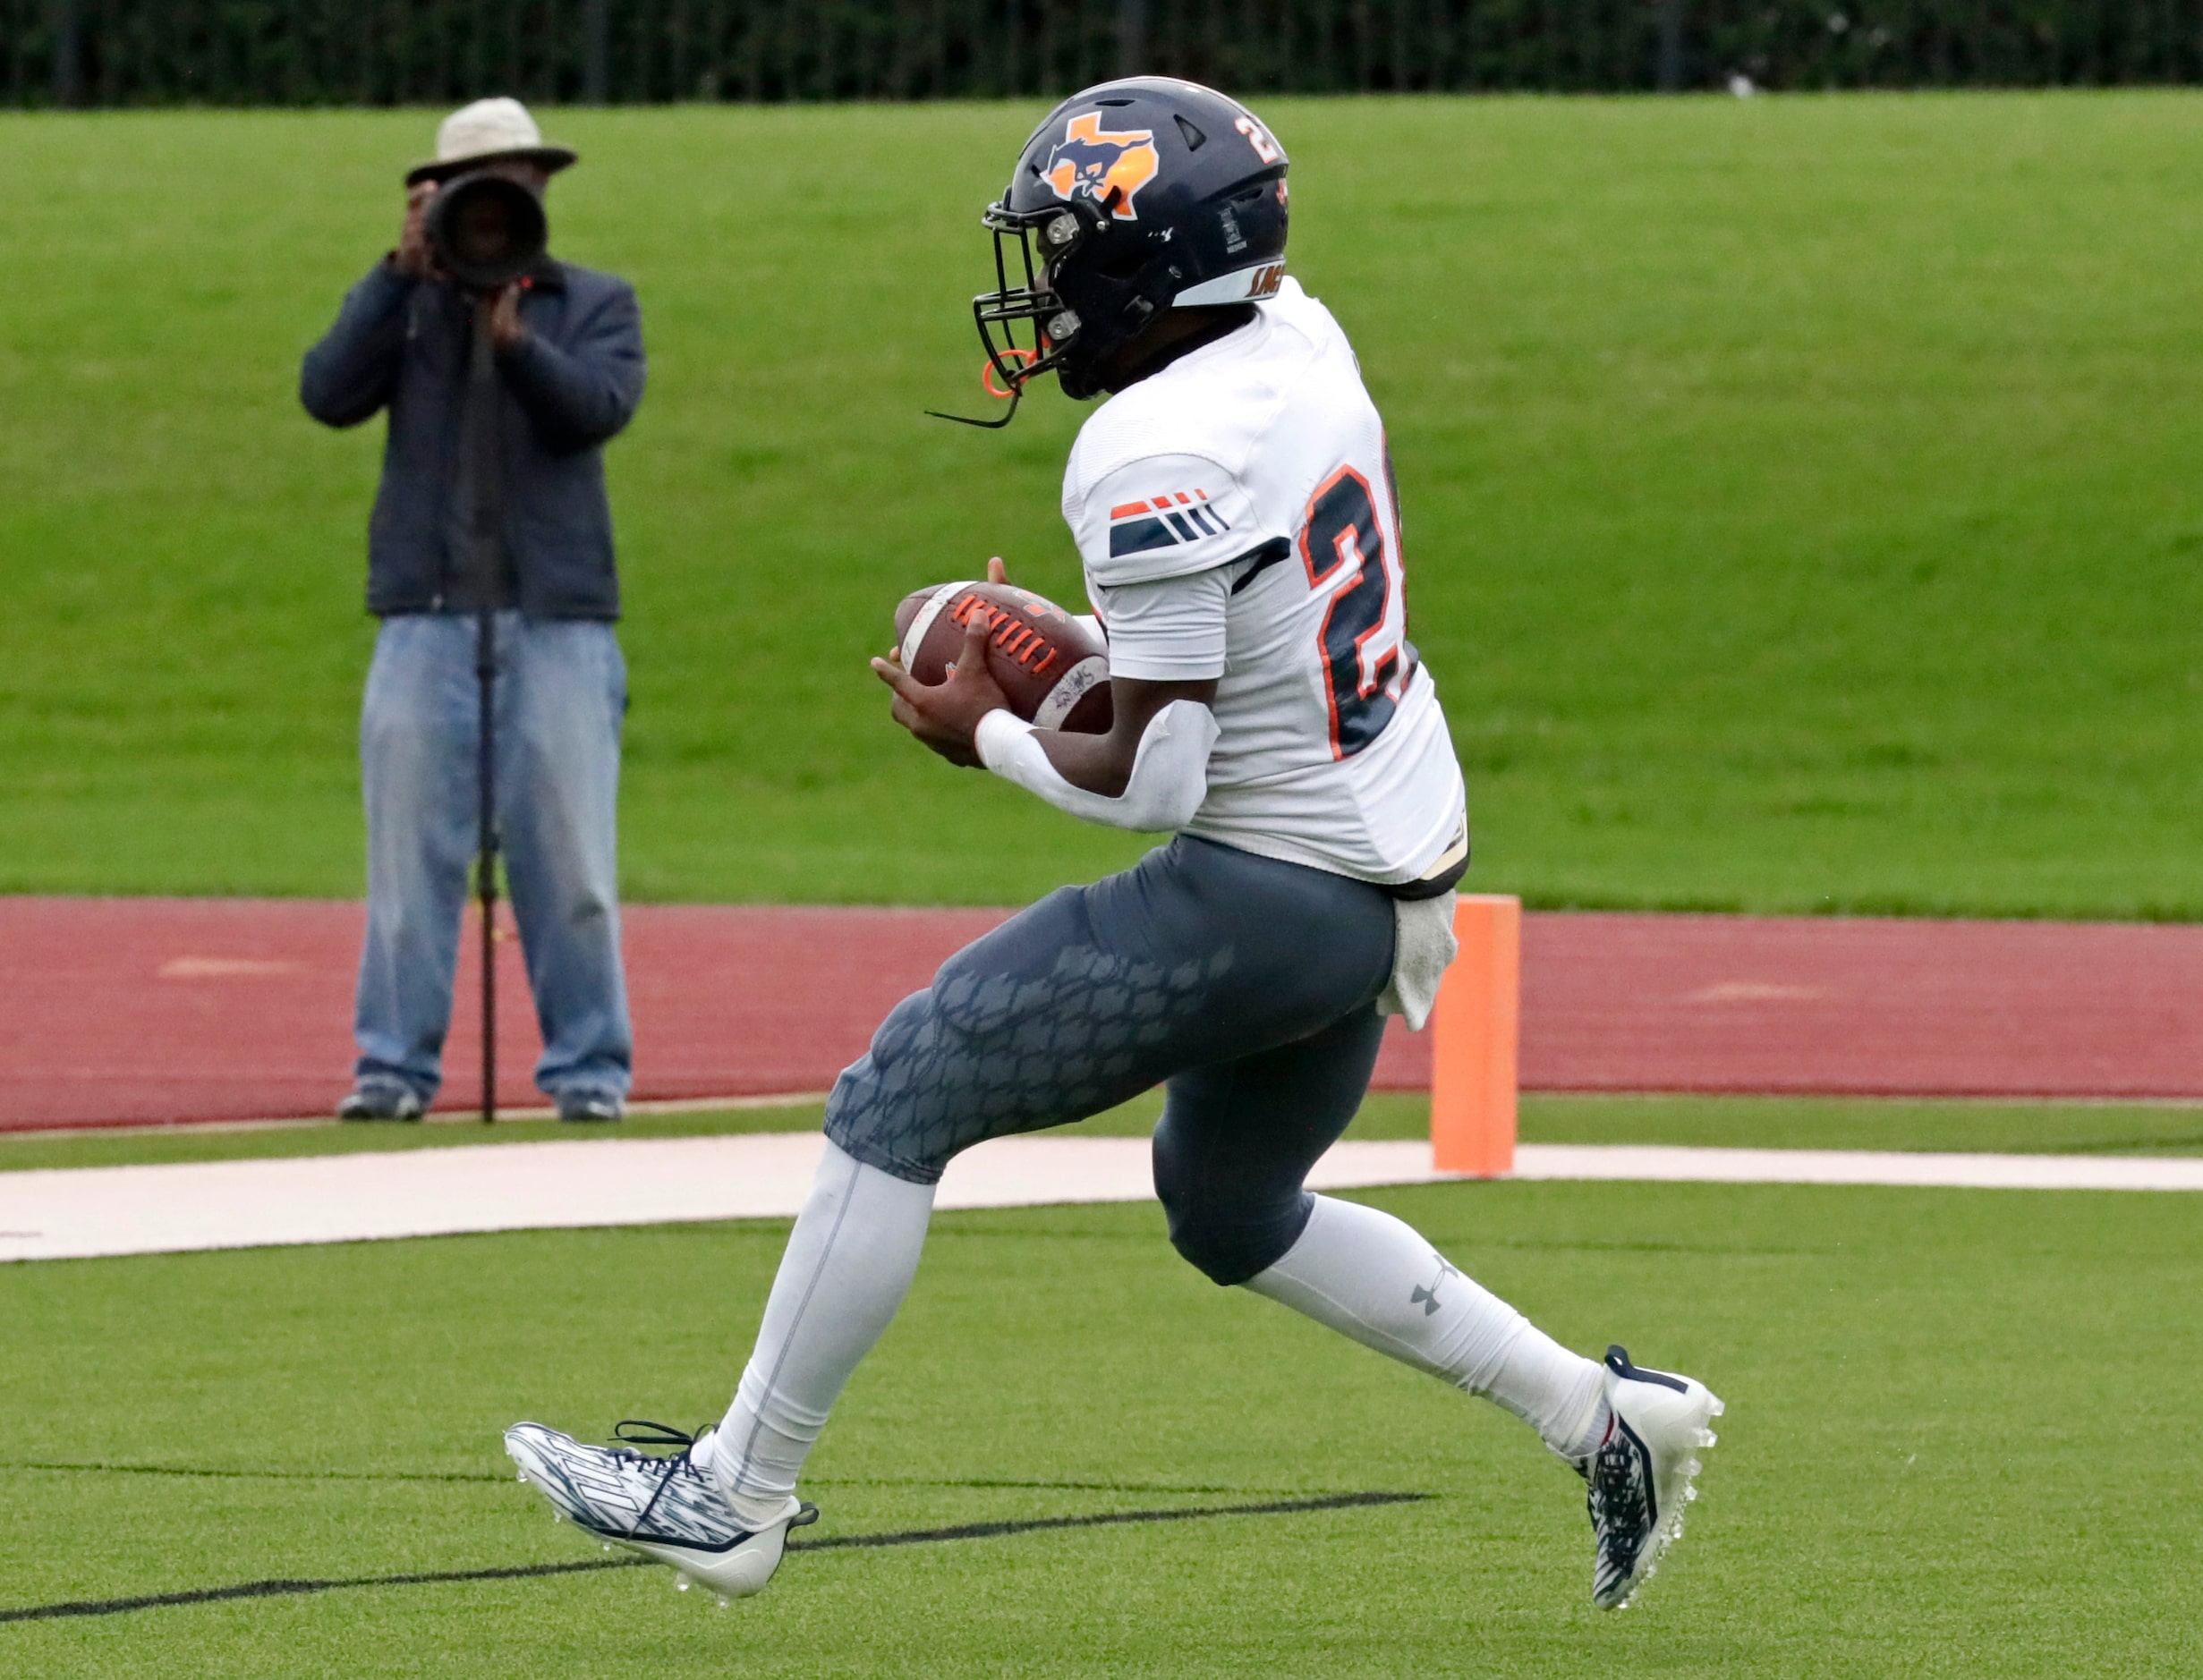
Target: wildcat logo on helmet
{"points": [[1087, 163]]}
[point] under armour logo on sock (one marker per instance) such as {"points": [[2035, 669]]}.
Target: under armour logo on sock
{"points": [[1427, 1299]]}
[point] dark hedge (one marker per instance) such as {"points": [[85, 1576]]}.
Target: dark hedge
{"points": [[383, 52]]}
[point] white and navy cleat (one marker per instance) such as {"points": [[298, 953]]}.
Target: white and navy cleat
{"points": [[665, 1508], [1641, 1478]]}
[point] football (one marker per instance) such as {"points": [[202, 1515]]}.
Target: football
{"points": [[1053, 672]]}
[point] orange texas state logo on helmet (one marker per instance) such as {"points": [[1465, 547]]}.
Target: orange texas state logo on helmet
{"points": [[1087, 163]]}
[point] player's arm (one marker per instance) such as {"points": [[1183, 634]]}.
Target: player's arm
{"points": [[1103, 764], [1162, 538], [947, 717], [1150, 772]]}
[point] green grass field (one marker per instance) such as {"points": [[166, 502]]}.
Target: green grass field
{"points": [[1946, 1455], [1819, 1122], [1801, 493], [1954, 1448]]}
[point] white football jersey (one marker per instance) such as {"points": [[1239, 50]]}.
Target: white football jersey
{"points": [[1249, 481]]}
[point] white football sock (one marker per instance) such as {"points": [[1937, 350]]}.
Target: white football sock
{"points": [[848, 1265], [1368, 1276]]}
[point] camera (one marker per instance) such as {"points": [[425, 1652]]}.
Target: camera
{"points": [[487, 230]]}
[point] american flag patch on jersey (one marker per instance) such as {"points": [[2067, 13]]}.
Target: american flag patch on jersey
{"points": [[1178, 516]]}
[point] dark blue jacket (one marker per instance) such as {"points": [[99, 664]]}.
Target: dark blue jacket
{"points": [[572, 383]]}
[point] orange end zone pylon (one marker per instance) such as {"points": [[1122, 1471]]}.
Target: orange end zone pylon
{"points": [[1473, 1030]]}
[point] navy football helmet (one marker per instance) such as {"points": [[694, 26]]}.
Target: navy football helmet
{"points": [[1131, 198]]}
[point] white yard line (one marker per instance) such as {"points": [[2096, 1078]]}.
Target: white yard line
{"points": [[77, 1212]]}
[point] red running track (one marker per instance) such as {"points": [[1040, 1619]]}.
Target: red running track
{"points": [[128, 1011]]}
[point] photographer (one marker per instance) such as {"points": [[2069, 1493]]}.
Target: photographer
{"points": [[497, 505]]}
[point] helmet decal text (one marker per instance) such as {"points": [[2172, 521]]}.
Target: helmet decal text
{"points": [[1258, 137], [1109, 168]]}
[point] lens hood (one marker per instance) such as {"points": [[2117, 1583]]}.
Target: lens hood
{"points": [[487, 230]]}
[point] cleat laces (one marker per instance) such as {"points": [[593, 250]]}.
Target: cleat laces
{"points": [[649, 1434]]}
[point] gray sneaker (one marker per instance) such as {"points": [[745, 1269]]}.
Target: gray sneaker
{"points": [[380, 1102], [664, 1507], [589, 1107]]}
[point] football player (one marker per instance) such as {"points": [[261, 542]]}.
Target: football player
{"points": [[1233, 504]]}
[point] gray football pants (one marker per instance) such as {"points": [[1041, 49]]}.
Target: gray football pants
{"points": [[1245, 984]]}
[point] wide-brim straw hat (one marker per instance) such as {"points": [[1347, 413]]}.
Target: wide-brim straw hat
{"points": [[488, 131]]}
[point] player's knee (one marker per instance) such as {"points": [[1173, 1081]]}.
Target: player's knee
{"points": [[1229, 1243], [1228, 1233]]}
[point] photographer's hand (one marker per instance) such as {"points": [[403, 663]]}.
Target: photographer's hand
{"points": [[413, 257], [505, 327]]}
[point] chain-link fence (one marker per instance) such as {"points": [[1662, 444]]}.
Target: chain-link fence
{"points": [[383, 52]]}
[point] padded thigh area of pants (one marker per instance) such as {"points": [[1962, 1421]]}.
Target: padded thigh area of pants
{"points": [[1200, 954]]}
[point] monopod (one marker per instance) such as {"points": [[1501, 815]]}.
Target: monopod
{"points": [[486, 850], [487, 540], [488, 230]]}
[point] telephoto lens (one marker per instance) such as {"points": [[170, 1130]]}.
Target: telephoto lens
{"points": [[487, 230]]}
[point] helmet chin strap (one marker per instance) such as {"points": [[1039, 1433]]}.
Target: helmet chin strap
{"points": [[1016, 395], [1035, 363]]}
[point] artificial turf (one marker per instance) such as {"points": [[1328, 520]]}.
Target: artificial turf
{"points": [[1801, 495], [1953, 1449]]}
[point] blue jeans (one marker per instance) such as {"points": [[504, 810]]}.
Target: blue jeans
{"points": [[559, 699]]}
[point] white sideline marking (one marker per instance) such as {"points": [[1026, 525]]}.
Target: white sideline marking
{"points": [[79, 1212], [1644, 1162]]}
